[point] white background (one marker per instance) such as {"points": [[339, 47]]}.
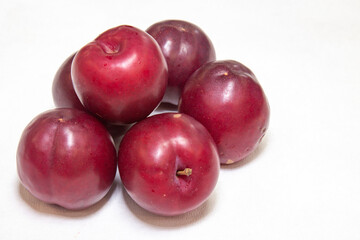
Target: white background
{"points": [[303, 182]]}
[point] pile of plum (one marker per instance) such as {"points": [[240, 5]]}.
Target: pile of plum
{"points": [[168, 162]]}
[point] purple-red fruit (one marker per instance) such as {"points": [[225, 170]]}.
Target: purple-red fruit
{"points": [[168, 163], [63, 92], [227, 99], [121, 76], [66, 157], [185, 47]]}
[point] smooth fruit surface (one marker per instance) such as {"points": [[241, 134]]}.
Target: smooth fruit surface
{"points": [[63, 92], [186, 47], [227, 99], [121, 76], [64, 96], [168, 163], [66, 157]]}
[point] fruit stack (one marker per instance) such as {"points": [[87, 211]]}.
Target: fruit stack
{"points": [[168, 163]]}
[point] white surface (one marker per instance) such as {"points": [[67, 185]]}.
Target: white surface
{"points": [[302, 183]]}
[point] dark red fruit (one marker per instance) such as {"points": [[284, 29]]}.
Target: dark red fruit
{"points": [[228, 100], [168, 163], [66, 157], [65, 97], [121, 76], [185, 47], [63, 92]]}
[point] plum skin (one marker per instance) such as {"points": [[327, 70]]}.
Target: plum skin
{"points": [[121, 76], [154, 150], [228, 100], [186, 47], [64, 96], [66, 157], [63, 92]]}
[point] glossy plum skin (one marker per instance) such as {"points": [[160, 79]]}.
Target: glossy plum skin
{"points": [[64, 96], [186, 47], [66, 157], [154, 150], [63, 92], [227, 99], [121, 76]]}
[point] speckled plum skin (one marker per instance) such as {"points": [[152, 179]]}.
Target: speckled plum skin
{"points": [[186, 47], [121, 76], [66, 157], [154, 150], [63, 92], [227, 99]]}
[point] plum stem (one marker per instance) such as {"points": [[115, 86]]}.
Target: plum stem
{"points": [[185, 172]]}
